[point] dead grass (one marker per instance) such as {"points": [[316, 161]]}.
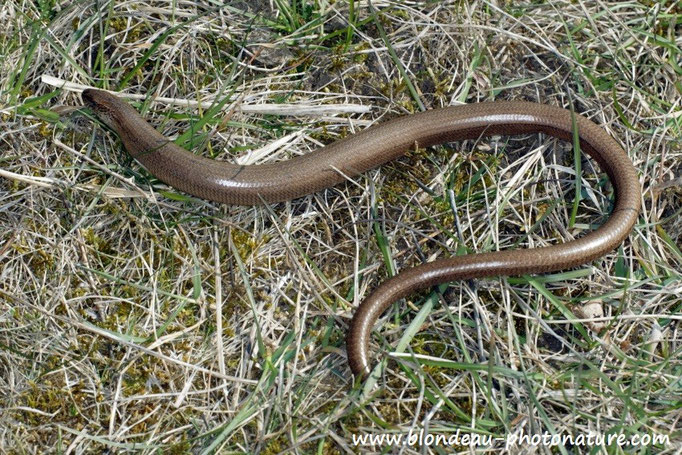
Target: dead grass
{"points": [[137, 319]]}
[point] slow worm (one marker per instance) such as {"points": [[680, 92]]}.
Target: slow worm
{"points": [[248, 185]]}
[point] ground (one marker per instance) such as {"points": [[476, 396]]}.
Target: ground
{"points": [[135, 318]]}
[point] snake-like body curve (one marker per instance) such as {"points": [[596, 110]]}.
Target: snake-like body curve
{"points": [[248, 185]]}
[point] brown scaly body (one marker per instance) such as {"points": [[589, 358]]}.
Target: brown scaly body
{"points": [[328, 166]]}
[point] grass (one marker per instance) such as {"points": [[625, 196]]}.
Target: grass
{"points": [[137, 319]]}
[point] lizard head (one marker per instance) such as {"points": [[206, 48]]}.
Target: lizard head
{"points": [[110, 109]]}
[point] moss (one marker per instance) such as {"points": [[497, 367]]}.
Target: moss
{"points": [[328, 448], [46, 130], [245, 243], [120, 24], [338, 63], [41, 262], [51, 396], [276, 445], [179, 448], [96, 242], [361, 57]]}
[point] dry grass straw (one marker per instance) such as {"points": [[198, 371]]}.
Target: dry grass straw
{"points": [[136, 319]]}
